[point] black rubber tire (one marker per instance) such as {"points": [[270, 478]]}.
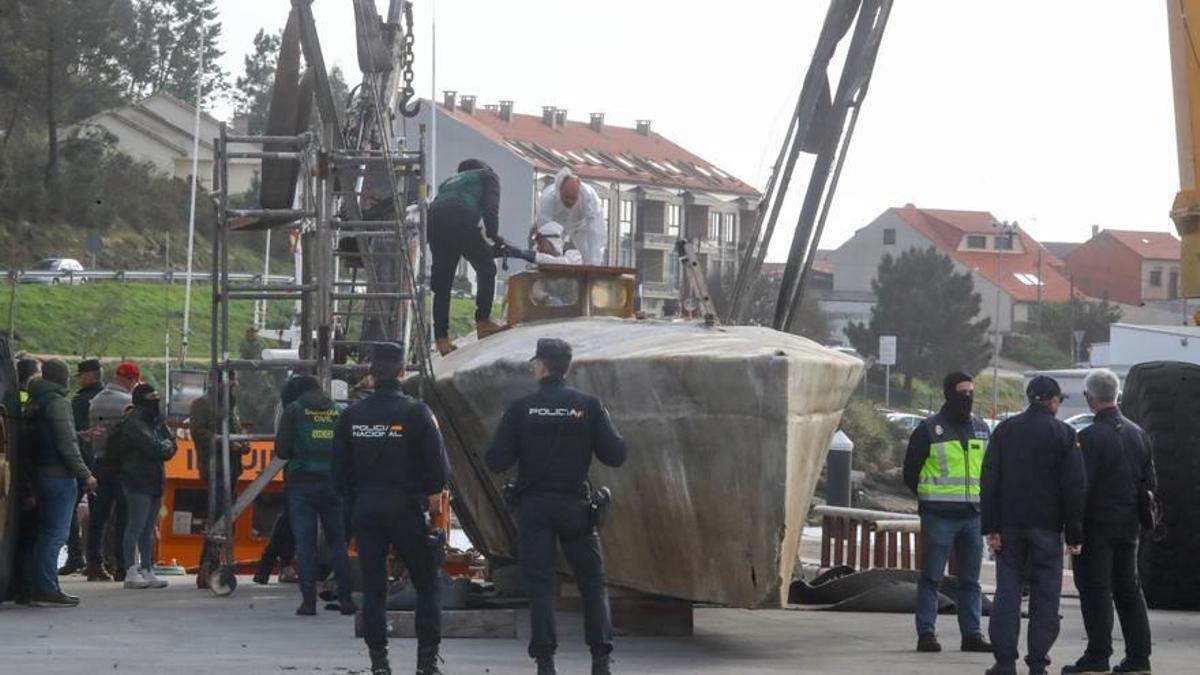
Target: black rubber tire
{"points": [[1163, 397]]}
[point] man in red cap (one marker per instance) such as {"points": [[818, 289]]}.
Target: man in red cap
{"points": [[105, 411]]}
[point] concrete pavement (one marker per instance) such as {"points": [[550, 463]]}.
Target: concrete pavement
{"points": [[181, 630]]}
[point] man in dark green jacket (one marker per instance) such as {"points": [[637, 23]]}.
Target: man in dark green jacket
{"points": [[464, 222], [144, 444], [305, 440], [57, 468]]}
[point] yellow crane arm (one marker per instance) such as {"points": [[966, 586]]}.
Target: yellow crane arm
{"points": [[1183, 19]]}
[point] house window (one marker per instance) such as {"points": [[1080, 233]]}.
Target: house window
{"points": [[1003, 242], [976, 241], [673, 211], [714, 226], [889, 236], [651, 267], [1173, 288], [728, 235], [625, 227], [1156, 278]]}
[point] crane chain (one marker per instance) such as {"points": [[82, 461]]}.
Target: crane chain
{"points": [[406, 62]]}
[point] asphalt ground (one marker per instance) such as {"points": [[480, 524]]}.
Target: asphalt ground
{"points": [[184, 630]]}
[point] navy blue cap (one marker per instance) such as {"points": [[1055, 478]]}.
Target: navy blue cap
{"points": [[88, 366], [388, 351], [552, 349], [1044, 388]]}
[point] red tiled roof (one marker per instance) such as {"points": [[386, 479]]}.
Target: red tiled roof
{"points": [[1148, 245], [946, 229], [612, 154]]}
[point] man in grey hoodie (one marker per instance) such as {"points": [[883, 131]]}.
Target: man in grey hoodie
{"points": [[106, 410], [57, 466]]}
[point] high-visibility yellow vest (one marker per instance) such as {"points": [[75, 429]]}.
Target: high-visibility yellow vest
{"points": [[951, 472]]}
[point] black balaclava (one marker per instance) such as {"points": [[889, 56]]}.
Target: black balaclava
{"points": [[958, 405], [146, 399]]}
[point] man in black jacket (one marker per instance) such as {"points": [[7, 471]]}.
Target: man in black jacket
{"points": [[87, 376], [1033, 488], [464, 222], [552, 435], [1119, 465], [390, 463], [942, 466]]}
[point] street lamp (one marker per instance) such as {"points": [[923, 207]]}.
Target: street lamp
{"points": [[1005, 229]]}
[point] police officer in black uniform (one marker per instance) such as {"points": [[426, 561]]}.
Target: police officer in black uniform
{"points": [[389, 461], [551, 435]]}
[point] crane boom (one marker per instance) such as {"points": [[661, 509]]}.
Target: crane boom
{"points": [[1183, 19]]}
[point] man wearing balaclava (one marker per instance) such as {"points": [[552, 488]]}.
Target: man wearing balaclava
{"points": [[942, 466]]}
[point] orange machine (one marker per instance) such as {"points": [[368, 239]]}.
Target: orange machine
{"points": [[184, 513]]}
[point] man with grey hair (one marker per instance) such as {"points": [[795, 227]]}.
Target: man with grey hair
{"points": [[1119, 465]]}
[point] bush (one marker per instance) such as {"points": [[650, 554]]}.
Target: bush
{"points": [[878, 445], [1034, 351]]}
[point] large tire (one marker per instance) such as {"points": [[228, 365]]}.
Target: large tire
{"points": [[1163, 397]]}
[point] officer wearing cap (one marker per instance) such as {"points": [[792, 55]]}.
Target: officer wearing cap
{"points": [[1033, 489], [389, 461], [87, 377], [552, 435]]}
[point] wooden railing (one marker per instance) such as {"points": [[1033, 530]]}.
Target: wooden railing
{"points": [[863, 539]]}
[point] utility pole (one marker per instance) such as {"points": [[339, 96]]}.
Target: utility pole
{"points": [[1006, 229], [187, 293]]}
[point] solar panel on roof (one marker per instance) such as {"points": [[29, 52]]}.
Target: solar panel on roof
{"points": [[577, 158]]}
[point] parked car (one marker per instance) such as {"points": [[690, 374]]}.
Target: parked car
{"points": [[906, 421], [1080, 421], [54, 271]]}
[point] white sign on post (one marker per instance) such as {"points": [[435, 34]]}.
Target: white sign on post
{"points": [[887, 350]]}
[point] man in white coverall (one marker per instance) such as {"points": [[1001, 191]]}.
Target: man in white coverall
{"points": [[548, 246], [577, 207]]}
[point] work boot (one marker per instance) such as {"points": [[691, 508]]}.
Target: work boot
{"points": [[262, 579], [153, 581], [347, 607], [95, 572], [928, 642], [119, 575], [1134, 666], [444, 346], [1003, 669], [308, 607], [601, 664], [379, 662], [134, 579], [1087, 664], [71, 567], [488, 327], [545, 665], [976, 643], [428, 664]]}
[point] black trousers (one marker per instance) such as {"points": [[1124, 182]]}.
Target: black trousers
{"points": [[454, 233], [109, 501], [547, 521], [1106, 573], [281, 546], [383, 519], [1034, 556]]}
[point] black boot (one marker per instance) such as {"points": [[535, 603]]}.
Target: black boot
{"points": [[601, 664], [379, 662], [976, 643], [1087, 664], [545, 665], [427, 664], [308, 607], [928, 642], [1128, 665], [347, 606]]}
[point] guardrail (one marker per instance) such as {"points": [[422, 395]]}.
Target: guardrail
{"points": [[862, 539], [169, 276]]}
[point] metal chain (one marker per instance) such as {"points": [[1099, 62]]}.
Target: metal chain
{"points": [[406, 62]]}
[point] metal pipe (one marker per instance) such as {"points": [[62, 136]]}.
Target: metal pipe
{"points": [[187, 294]]}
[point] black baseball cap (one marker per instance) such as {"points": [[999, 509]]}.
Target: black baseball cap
{"points": [[552, 349], [1044, 388], [388, 351], [88, 366]]}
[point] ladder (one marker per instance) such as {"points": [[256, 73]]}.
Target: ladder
{"points": [[350, 212]]}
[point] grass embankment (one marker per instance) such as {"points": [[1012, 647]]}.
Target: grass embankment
{"points": [[117, 320]]}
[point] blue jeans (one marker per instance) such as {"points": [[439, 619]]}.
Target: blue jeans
{"points": [[139, 527], [938, 534], [308, 501], [56, 499]]}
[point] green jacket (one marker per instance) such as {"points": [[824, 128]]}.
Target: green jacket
{"points": [[143, 444], [52, 425], [305, 437], [477, 190]]}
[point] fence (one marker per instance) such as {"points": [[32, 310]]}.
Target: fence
{"points": [[168, 276], [865, 539]]}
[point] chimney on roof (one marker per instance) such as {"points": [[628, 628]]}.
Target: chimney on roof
{"points": [[1095, 230], [506, 110], [597, 123], [548, 115], [449, 98], [467, 104], [560, 117], [643, 127], [241, 124]]}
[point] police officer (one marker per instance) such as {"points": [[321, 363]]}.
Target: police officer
{"points": [[1119, 465], [389, 461], [551, 435], [942, 465], [1032, 490]]}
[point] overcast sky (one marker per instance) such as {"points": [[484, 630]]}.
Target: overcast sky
{"points": [[1056, 114]]}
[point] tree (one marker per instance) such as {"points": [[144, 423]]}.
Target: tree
{"points": [[812, 323], [1060, 320], [164, 51], [931, 310], [253, 87]]}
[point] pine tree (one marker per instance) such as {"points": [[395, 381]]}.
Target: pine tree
{"points": [[253, 88]]}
